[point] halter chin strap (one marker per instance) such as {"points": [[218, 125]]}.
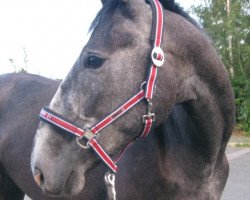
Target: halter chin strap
{"points": [[88, 135]]}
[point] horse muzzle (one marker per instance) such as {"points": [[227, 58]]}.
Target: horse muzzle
{"points": [[70, 185]]}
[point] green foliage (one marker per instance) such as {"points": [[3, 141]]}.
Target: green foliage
{"points": [[244, 117], [227, 23], [242, 89]]}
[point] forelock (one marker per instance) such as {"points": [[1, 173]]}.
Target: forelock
{"points": [[108, 7]]}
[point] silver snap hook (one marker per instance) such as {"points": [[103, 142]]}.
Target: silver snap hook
{"points": [[110, 179], [110, 184]]}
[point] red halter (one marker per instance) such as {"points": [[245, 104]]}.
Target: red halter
{"points": [[90, 134]]}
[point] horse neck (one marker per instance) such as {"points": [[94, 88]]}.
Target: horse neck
{"points": [[206, 93], [202, 85]]}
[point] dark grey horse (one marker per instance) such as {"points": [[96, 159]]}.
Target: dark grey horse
{"points": [[184, 157], [189, 159], [21, 97]]}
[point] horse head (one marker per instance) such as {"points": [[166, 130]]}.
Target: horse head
{"points": [[110, 69]]}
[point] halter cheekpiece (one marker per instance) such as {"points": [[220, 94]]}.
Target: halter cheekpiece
{"points": [[88, 135]]}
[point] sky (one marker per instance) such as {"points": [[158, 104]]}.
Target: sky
{"points": [[48, 34]]}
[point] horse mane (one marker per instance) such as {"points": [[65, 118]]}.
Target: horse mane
{"points": [[169, 5], [174, 7]]}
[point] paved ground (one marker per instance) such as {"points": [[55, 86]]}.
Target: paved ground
{"points": [[238, 184]]}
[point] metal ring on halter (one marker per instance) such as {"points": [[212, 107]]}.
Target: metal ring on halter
{"points": [[88, 135], [142, 85], [81, 145]]}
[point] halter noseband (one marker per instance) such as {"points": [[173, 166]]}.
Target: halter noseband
{"points": [[89, 134]]}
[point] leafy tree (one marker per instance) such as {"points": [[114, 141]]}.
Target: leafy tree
{"points": [[227, 22]]}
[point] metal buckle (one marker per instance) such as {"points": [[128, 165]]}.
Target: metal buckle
{"points": [[149, 114], [88, 135], [150, 104]]}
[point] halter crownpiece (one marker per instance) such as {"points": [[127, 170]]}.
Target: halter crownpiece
{"points": [[89, 134]]}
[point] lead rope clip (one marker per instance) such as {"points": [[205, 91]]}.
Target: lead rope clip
{"points": [[109, 179]]}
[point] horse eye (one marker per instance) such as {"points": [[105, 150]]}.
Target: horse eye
{"points": [[94, 62]]}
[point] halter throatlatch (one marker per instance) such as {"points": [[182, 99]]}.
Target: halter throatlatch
{"points": [[86, 137]]}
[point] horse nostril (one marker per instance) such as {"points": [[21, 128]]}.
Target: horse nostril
{"points": [[38, 176]]}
